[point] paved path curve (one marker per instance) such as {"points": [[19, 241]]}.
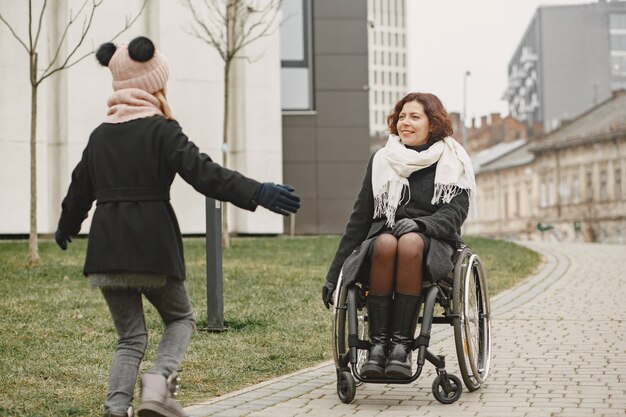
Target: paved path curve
{"points": [[559, 350]]}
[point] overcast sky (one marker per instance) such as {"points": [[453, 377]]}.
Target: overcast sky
{"points": [[448, 37]]}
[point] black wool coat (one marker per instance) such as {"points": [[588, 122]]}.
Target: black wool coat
{"points": [[128, 168], [440, 222]]}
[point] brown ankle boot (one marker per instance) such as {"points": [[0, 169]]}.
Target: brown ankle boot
{"points": [[157, 397]]}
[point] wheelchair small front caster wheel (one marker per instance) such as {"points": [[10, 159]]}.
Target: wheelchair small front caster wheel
{"points": [[346, 387], [447, 392]]}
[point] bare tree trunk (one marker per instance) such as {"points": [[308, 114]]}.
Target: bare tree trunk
{"points": [[225, 151], [231, 16], [33, 241]]}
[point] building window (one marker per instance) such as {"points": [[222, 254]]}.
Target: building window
{"points": [[617, 28], [529, 198], [603, 186], [617, 20], [618, 41], [618, 64], [618, 184], [575, 189], [506, 205], [296, 75], [564, 191], [551, 192], [589, 186], [543, 194]]}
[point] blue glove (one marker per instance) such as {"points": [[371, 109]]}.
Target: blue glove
{"points": [[404, 226], [327, 293], [61, 239], [278, 198]]}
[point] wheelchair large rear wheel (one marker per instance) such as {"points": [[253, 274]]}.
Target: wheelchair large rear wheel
{"points": [[340, 328], [472, 319]]}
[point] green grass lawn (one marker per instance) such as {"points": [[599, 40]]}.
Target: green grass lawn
{"points": [[57, 340]]}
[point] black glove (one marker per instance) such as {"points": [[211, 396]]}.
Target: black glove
{"points": [[61, 239], [404, 226], [278, 198], [327, 293]]}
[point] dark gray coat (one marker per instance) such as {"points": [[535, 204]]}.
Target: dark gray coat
{"points": [[441, 223], [127, 168]]}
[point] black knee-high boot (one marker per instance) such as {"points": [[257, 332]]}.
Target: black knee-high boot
{"points": [[378, 310], [405, 312]]}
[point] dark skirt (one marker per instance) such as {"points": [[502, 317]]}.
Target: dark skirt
{"points": [[438, 264]]}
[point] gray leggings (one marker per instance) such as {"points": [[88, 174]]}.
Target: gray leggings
{"points": [[172, 303]]}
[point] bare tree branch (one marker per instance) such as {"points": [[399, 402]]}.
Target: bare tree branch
{"points": [[211, 6], [265, 25], [30, 27], [62, 39], [13, 32], [85, 29], [39, 25], [86, 25], [131, 22], [215, 40], [217, 47]]}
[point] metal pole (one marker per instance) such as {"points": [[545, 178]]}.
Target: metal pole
{"points": [[464, 128], [214, 291]]}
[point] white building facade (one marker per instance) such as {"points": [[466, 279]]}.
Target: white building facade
{"points": [[387, 39], [73, 102]]}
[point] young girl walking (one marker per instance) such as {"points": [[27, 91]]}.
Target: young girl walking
{"points": [[135, 247]]}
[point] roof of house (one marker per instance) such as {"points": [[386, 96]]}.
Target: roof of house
{"points": [[601, 122], [518, 156], [486, 156]]}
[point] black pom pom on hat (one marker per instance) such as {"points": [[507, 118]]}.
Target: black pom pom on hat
{"points": [[141, 49], [105, 53], [137, 64]]}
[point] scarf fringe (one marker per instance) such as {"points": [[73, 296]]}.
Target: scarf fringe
{"points": [[444, 193], [381, 202]]}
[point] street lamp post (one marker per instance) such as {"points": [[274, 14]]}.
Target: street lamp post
{"points": [[464, 128]]}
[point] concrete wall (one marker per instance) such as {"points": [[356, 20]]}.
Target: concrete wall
{"points": [[326, 150], [73, 102]]}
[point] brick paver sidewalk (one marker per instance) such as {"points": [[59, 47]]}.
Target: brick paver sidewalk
{"points": [[559, 350]]}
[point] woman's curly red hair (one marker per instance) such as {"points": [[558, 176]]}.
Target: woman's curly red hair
{"points": [[438, 118]]}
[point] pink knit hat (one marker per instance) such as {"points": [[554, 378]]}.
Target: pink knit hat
{"points": [[135, 65]]}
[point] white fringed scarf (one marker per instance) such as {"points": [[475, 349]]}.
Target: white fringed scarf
{"points": [[394, 163], [131, 103]]}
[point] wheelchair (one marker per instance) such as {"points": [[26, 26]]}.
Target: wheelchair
{"points": [[464, 299]]}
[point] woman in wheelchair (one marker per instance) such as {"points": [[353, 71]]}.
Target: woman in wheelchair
{"points": [[404, 227]]}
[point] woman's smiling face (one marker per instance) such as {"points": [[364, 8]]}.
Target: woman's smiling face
{"points": [[413, 125]]}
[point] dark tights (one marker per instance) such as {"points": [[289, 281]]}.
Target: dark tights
{"points": [[397, 265]]}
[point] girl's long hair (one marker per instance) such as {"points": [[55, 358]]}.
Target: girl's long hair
{"points": [[165, 107]]}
